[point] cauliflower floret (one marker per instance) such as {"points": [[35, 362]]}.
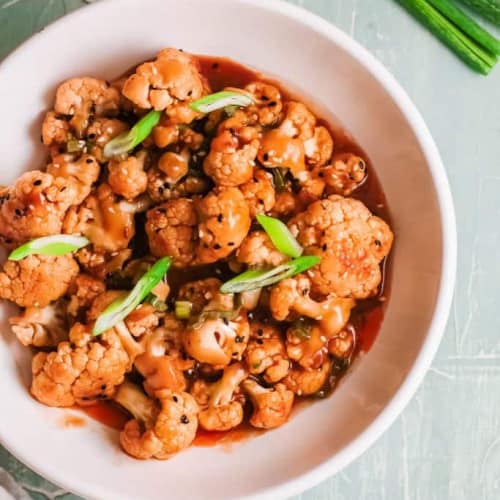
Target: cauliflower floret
{"points": [[231, 159], [257, 249], [286, 204], [37, 280], [307, 382], [173, 76], [80, 173], [160, 189], [298, 122], [280, 150], [157, 431], [55, 129], [266, 353], [34, 206], [319, 147], [307, 342], [200, 231], [103, 220], [346, 173], [142, 320], [82, 292], [82, 98], [268, 103], [342, 345], [271, 407], [41, 327], [203, 292], [215, 339], [101, 264], [224, 221], [127, 177], [259, 192], [174, 166], [351, 242], [81, 371], [171, 230], [162, 365], [221, 403]]}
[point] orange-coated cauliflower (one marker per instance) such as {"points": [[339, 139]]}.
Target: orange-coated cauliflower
{"points": [[271, 407], [82, 292], [350, 241], [257, 249], [37, 280], [203, 292], [342, 345], [221, 403], [41, 326], [199, 231], [80, 173], [268, 105], [100, 132], [103, 220], [55, 129], [35, 206], [266, 353], [127, 177], [83, 98], [308, 382], [157, 430], [231, 159], [81, 371], [259, 192], [173, 76], [345, 174]]}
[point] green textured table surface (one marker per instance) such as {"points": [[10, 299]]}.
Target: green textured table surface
{"points": [[446, 444]]}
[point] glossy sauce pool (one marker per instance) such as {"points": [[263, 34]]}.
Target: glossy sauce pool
{"points": [[366, 317]]}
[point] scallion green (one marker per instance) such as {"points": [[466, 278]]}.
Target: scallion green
{"points": [[280, 235], [57, 244], [119, 309], [219, 100]]}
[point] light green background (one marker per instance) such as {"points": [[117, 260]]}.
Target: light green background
{"points": [[446, 444]]}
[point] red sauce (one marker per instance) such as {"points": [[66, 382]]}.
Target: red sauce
{"points": [[108, 413], [367, 325], [213, 438], [71, 421]]}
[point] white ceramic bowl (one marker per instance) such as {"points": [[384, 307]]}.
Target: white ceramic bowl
{"points": [[344, 80]]}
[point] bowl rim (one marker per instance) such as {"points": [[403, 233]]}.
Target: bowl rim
{"points": [[444, 298]]}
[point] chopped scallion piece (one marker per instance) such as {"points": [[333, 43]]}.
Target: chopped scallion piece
{"points": [[220, 100], [279, 179], [183, 309], [119, 309], [157, 303], [57, 244], [280, 235], [127, 141], [253, 278]]}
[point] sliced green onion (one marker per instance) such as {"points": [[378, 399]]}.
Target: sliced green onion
{"points": [[183, 309], [122, 307], [127, 141], [280, 235], [75, 146], [57, 244], [220, 100], [252, 279], [158, 304], [279, 179]]}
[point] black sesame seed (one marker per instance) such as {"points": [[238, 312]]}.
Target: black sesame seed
{"points": [[264, 98], [217, 246], [238, 339], [19, 212], [220, 217], [272, 104], [324, 247], [362, 165], [230, 244], [62, 149], [175, 399], [226, 321], [215, 65], [261, 201], [378, 243], [190, 93], [8, 241], [260, 332], [62, 189], [235, 354], [160, 190], [184, 420], [103, 387], [260, 341], [351, 177], [89, 160], [91, 136], [265, 157], [37, 182], [321, 174], [41, 138]]}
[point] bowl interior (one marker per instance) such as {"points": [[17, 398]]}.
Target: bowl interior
{"points": [[321, 64]]}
